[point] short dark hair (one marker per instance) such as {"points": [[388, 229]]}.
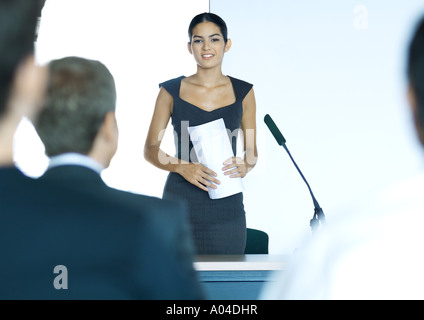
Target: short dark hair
{"points": [[18, 22], [80, 93], [208, 17], [415, 71]]}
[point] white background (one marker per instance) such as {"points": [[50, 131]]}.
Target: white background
{"points": [[330, 73]]}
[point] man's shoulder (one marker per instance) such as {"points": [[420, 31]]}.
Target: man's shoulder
{"points": [[13, 174], [149, 204], [139, 197]]}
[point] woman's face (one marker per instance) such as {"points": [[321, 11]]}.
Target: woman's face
{"points": [[207, 45]]}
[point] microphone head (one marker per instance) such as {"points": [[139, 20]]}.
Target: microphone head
{"points": [[274, 130]]}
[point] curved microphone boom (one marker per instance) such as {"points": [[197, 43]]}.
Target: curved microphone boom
{"points": [[318, 214]]}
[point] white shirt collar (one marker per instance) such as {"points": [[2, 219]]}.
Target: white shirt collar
{"points": [[75, 159]]}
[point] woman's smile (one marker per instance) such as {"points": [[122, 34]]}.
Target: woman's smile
{"points": [[207, 56]]}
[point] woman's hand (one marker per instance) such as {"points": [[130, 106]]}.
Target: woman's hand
{"points": [[235, 167], [199, 175]]}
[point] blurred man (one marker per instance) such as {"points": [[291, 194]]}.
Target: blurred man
{"points": [[79, 130], [61, 241], [21, 81]]}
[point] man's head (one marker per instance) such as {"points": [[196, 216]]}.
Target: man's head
{"points": [[22, 83], [415, 69], [79, 111], [18, 21]]}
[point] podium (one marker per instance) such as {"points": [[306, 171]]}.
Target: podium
{"points": [[237, 277]]}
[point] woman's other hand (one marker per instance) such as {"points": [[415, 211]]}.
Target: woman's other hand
{"points": [[199, 175], [235, 167]]}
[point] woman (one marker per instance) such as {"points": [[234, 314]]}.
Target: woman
{"points": [[218, 226]]}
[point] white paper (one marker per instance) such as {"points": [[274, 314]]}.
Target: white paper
{"points": [[212, 146]]}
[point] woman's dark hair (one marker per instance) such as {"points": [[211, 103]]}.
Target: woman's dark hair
{"points": [[208, 17]]}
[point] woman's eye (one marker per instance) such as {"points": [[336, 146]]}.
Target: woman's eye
{"points": [[215, 39], [197, 41]]}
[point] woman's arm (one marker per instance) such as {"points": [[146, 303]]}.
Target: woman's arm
{"points": [[237, 167], [158, 124], [194, 173]]}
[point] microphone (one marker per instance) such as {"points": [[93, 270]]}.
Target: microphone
{"points": [[274, 130], [318, 213]]}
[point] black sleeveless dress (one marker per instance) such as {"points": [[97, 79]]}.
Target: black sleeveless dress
{"points": [[218, 226]]}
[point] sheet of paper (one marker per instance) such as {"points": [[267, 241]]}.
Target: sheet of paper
{"points": [[212, 146]]}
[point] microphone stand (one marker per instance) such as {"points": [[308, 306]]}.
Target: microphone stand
{"points": [[319, 216]]}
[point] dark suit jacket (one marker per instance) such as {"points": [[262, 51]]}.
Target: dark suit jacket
{"points": [[114, 244]]}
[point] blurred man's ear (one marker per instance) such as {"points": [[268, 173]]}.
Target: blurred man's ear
{"points": [[26, 96], [29, 89], [412, 98], [106, 142], [413, 102], [111, 127]]}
